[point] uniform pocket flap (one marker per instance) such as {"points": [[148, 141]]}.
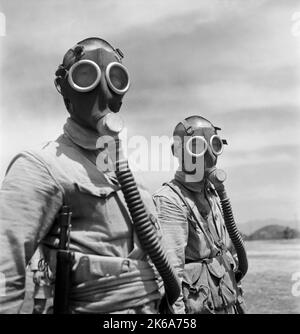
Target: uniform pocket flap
{"points": [[90, 188], [192, 273], [92, 267], [215, 268], [230, 260]]}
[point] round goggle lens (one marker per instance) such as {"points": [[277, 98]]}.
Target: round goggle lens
{"points": [[216, 144], [117, 78], [196, 146], [84, 75]]}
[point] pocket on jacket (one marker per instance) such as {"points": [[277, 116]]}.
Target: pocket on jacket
{"points": [[90, 188], [207, 287], [222, 284], [107, 210], [195, 289]]}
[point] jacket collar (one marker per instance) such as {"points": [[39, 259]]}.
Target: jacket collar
{"points": [[196, 187], [83, 137]]}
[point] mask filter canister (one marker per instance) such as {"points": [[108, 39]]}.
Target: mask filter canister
{"points": [[111, 124]]}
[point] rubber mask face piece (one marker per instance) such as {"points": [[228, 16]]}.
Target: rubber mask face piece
{"points": [[95, 85], [199, 153]]}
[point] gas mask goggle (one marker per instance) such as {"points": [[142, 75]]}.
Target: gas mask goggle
{"points": [[85, 75], [198, 146]]}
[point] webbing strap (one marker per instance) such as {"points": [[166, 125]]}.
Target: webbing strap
{"points": [[194, 215]]}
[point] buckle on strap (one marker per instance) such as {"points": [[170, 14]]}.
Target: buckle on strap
{"points": [[125, 266], [188, 128]]}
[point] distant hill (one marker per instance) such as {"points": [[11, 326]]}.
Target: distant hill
{"points": [[274, 232], [254, 225]]}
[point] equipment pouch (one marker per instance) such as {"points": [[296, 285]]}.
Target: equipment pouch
{"points": [[208, 287], [195, 288]]}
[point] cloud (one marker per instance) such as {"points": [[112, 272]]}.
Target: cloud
{"points": [[262, 119], [234, 62], [224, 58]]}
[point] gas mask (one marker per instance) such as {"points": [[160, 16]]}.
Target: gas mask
{"points": [[92, 81], [197, 147]]}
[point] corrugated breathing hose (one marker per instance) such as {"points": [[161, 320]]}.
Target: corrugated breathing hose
{"points": [[146, 231], [110, 126], [217, 177]]}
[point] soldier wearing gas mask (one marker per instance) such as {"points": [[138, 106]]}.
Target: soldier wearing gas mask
{"points": [[199, 231], [109, 270]]}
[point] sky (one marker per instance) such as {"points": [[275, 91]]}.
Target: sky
{"points": [[231, 61]]}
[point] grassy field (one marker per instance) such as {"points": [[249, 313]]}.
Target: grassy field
{"points": [[268, 284]]}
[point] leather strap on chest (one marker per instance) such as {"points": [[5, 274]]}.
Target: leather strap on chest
{"points": [[194, 215]]}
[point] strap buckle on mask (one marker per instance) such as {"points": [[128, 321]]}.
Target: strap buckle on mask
{"points": [[60, 73], [188, 128], [120, 53]]}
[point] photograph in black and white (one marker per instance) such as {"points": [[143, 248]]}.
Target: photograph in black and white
{"points": [[150, 157]]}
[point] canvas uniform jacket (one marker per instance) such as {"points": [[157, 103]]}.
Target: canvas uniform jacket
{"points": [[111, 272], [185, 240]]}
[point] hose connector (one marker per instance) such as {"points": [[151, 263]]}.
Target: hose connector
{"points": [[110, 125]]}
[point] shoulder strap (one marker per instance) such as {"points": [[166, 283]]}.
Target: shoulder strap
{"points": [[193, 214], [179, 194], [197, 214], [64, 215]]}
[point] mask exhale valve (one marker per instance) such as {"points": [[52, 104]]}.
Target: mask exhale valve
{"points": [[144, 227], [217, 177]]}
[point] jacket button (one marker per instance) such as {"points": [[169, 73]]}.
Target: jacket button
{"points": [[125, 266]]}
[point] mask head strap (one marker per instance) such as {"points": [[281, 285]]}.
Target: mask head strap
{"points": [[188, 128], [120, 53], [60, 74]]}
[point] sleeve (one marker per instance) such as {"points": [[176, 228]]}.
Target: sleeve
{"points": [[29, 202], [175, 234]]}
